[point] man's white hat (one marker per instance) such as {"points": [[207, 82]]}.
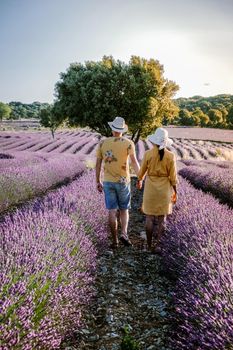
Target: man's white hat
{"points": [[160, 138], [118, 125]]}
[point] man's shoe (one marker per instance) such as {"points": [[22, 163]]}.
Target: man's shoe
{"points": [[125, 240]]}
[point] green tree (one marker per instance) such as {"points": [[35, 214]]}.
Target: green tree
{"points": [[205, 106], [199, 118], [229, 118], [96, 92], [21, 110], [5, 111], [204, 120], [215, 116], [185, 117], [49, 118], [221, 103]]}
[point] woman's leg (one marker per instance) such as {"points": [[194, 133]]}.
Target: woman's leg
{"points": [[161, 227], [149, 229]]}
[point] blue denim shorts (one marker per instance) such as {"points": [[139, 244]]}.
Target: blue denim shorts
{"points": [[117, 195]]}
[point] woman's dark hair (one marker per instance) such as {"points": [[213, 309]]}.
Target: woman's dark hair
{"points": [[161, 153]]}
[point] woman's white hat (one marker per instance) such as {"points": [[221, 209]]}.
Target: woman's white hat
{"points": [[118, 125], [160, 138]]}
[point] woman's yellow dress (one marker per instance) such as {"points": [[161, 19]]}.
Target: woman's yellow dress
{"points": [[161, 175]]}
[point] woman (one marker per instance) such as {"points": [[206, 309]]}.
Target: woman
{"points": [[159, 167]]}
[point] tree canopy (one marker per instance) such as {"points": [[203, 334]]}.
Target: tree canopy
{"points": [[5, 111], [94, 93], [213, 111], [50, 119], [21, 110]]}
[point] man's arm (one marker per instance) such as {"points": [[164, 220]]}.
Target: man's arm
{"points": [[97, 174], [134, 163]]}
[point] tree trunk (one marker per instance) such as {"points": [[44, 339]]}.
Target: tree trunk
{"points": [[133, 135], [136, 136]]}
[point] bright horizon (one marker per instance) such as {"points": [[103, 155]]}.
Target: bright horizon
{"points": [[38, 40]]}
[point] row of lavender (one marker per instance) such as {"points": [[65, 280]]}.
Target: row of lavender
{"points": [[72, 142], [199, 150], [48, 258], [26, 172], [214, 177], [198, 250], [66, 142], [30, 177]]}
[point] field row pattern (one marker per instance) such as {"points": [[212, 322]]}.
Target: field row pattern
{"points": [[48, 254], [86, 142]]}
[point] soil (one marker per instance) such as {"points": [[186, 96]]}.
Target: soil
{"points": [[132, 292]]}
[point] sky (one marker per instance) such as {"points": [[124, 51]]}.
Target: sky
{"points": [[39, 39]]}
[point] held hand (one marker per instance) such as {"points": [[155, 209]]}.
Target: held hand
{"points": [[174, 198], [139, 185], [100, 187]]}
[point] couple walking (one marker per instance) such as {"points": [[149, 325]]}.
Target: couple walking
{"points": [[159, 168]]}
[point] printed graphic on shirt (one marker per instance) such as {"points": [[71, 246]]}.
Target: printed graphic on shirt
{"points": [[115, 152], [109, 157]]}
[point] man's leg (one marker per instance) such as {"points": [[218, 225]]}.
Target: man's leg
{"points": [[149, 230], [111, 205], [123, 197], [124, 217], [113, 225]]}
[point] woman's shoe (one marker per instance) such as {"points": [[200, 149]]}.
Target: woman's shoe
{"points": [[156, 250], [114, 246]]}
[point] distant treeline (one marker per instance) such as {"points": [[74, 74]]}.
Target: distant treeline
{"points": [[214, 111], [18, 110]]}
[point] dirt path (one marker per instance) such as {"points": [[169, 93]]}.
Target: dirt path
{"points": [[132, 292]]}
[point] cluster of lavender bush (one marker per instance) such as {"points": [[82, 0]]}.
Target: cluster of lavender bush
{"points": [[216, 178], [20, 159], [20, 183], [198, 250], [48, 256]]}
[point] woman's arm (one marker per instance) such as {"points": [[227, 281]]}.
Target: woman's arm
{"points": [[172, 173], [173, 179], [143, 168], [134, 163], [142, 172]]}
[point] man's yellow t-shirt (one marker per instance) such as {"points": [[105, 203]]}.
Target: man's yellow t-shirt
{"points": [[115, 152]]}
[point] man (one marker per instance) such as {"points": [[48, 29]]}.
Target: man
{"points": [[115, 152]]}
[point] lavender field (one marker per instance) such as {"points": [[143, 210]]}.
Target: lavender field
{"points": [[49, 246], [196, 133], [198, 251], [214, 177], [33, 162]]}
